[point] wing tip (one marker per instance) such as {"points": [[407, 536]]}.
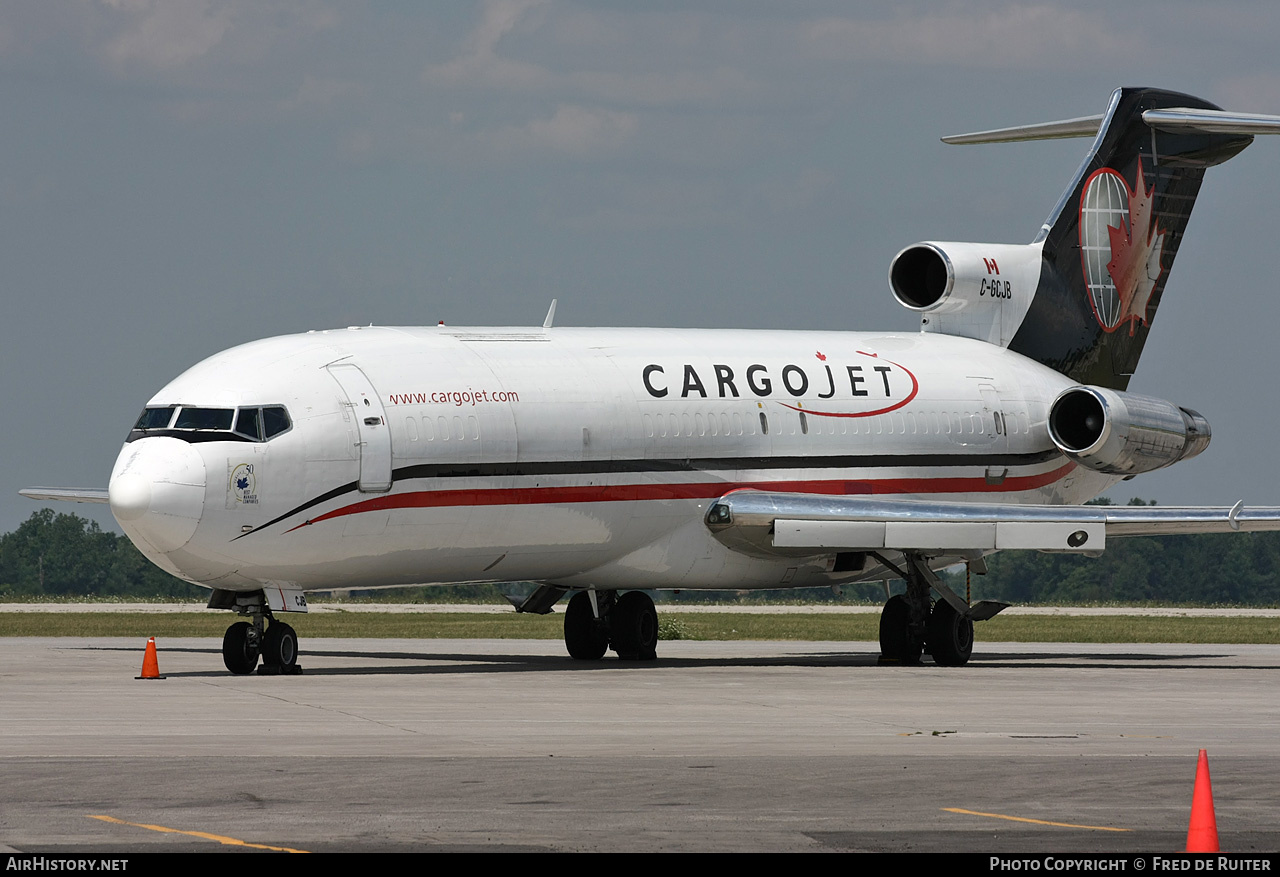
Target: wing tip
{"points": [[66, 494]]}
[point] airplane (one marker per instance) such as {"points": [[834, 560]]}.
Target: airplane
{"points": [[604, 463]]}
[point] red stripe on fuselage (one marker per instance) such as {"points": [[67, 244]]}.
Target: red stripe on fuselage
{"points": [[425, 499]]}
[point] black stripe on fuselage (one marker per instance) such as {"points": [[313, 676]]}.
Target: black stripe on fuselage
{"points": [[714, 464], [693, 464]]}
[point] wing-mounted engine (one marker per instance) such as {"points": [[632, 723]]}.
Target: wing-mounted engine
{"points": [[974, 290], [1124, 433]]}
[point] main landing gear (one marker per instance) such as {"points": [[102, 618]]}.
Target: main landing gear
{"points": [[912, 623], [247, 641], [599, 620]]}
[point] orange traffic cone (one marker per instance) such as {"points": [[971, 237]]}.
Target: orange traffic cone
{"points": [[150, 665], [1202, 834]]}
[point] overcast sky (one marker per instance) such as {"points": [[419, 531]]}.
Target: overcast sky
{"points": [[180, 176]]}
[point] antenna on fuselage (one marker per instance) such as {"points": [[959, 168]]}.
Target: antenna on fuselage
{"points": [[551, 315]]}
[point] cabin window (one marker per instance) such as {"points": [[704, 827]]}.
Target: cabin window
{"points": [[764, 424]]}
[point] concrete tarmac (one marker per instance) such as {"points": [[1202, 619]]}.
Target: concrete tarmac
{"points": [[445, 745]]}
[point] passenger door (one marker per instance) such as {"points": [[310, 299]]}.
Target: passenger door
{"points": [[374, 445]]}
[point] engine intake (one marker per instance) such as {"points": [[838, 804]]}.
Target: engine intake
{"points": [[974, 290], [1124, 433], [921, 276]]}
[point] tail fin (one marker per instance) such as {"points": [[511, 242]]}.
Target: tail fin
{"points": [[1110, 243]]}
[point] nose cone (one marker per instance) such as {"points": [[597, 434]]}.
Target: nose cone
{"points": [[157, 492]]}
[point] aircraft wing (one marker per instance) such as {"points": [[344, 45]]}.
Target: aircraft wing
{"points": [[70, 494], [797, 523]]}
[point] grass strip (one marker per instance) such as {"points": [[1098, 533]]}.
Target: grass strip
{"points": [[718, 626]]}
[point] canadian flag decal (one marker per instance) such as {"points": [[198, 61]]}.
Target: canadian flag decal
{"points": [[1121, 245]]}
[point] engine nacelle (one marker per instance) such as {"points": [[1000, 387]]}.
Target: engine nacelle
{"points": [[1124, 433], [975, 290]]}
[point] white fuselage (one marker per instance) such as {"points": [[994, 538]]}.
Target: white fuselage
{"points": [[582, 457]]}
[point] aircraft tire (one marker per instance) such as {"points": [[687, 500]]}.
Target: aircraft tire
{"points": [[633, 624], [583, 636], [950, 636], [896, 641], [237, 654], [280, 647]]}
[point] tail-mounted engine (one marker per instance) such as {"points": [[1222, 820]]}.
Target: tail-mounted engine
{"points": [[975, 290], [1123, 433]]}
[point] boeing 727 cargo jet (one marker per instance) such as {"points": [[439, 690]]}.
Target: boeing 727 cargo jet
{"points": [[602, 463]]}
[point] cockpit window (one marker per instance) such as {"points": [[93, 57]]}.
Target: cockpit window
{"points": [[192, 424], [154, 418], [248, 423], [275, 420], [203, 418]]}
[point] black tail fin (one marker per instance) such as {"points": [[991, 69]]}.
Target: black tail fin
{"points": [[1110, 243]]}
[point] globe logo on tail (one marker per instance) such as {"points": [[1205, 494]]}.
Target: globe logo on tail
{"points": [[1121, 246]]}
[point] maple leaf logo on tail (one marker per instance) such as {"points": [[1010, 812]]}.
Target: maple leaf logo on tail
{"points": [[1135, 255], [1121, 246]]}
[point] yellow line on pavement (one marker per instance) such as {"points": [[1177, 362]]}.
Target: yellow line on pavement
{"points": [[1034, 821], [229, 841]]}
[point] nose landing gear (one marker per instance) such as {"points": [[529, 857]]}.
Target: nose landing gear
{"points": [[247, 641], [240, 648], [280, 650]]}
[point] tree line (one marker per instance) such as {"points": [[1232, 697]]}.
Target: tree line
{"points": [[61, 555], [1218, 568], [66, 556]]}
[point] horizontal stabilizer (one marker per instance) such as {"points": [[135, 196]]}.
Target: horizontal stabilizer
{"points": [[68, 494], [1173, 119], [1085, 126], [1211, 121]]}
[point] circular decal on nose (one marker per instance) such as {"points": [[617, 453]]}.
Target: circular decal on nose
{"points": [[242, 486]]}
